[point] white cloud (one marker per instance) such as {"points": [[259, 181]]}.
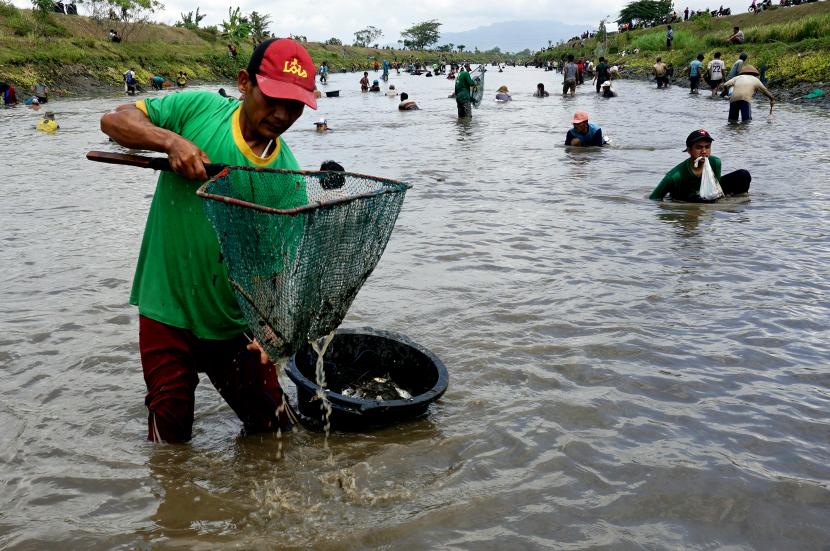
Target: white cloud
{"points": [[322, 19]]}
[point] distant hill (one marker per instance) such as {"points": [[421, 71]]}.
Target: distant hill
{"points": [[513, 36]]}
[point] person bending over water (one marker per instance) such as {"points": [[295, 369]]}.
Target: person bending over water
{"points": [[746, 84], [189, 318], [682, 182], [540, 91], [584, 133]]}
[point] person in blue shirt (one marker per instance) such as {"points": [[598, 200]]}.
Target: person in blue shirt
{"points": [[584, 133], [695, 71]]}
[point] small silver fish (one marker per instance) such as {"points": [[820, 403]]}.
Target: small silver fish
{"points": [[380, 380], [403, 394]]}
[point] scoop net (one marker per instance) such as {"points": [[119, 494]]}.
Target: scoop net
{"points": [[478, 90], [299, 245]]}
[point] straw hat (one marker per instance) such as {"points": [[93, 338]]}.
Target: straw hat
{"points": [[503, 89], [747, 69]]}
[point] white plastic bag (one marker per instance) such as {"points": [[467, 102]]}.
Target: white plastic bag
{"points": [[709, 186]]}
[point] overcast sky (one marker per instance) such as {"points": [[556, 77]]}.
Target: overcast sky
{"points": [[320, 20]]}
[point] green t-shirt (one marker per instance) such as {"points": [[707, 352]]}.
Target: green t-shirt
{"points": [[181, 279], [681, 183], [462, 86]]}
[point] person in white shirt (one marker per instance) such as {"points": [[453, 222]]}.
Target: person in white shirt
{"points": [[716, 69], [746, 84], [737, 36]]}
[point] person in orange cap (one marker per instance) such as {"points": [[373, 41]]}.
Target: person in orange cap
{"points": [[584, 133], [189, 319]]}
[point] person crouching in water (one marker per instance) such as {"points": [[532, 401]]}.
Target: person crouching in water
{"points": [[583, 132], [607, 90], [682, 182], [48, 123], [503, 94], [540, 91], [407, 104]]}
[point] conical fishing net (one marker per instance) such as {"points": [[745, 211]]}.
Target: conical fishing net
{"points": [[299, 245], [478, 90]]}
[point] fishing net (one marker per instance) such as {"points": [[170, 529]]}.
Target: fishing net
{"points": [[478, 89], [299, 245]]}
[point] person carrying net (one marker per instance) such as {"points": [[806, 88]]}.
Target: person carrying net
{"points": [[189, 318]]}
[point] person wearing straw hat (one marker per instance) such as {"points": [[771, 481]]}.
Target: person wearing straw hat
{"points": [[745, 86], [502, 94], [682, 183], [189, 319], [584, 133]]}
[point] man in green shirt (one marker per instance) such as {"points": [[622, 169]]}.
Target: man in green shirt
{"points": [[463, 95], [682, 182], [189, 319]]}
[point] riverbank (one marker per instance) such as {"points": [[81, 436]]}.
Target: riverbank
{"points": [[793, 43], [72, 55]]}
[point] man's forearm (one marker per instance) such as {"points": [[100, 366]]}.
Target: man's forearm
{"points": [[130, 127]]}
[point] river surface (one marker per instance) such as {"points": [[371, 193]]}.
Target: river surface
{"points": [[624, 374]]}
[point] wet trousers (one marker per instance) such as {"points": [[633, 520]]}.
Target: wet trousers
{"points": [[735, 182], [465, 109], [742, 107], [173, 357]]}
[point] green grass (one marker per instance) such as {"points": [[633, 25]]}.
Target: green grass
{"points": [[794, 43], [77, 48]]}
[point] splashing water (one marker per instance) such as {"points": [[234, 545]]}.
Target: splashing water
{"points": [[320, 346]]}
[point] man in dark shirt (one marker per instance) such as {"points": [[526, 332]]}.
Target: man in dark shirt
{"points": [[602, 73]]}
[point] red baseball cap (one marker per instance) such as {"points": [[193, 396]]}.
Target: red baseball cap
{"points": [[287, 72]]}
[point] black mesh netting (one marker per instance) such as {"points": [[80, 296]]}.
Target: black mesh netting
{"points": [[299, 245]]}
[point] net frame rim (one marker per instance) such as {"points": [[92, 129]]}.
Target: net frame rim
{"points": [[396, 187]]}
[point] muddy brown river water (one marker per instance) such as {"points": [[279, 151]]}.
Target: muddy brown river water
{"points": [[624, 374]]}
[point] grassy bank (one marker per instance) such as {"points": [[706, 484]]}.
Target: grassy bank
{"points": [[71, 53], [794, 44]]}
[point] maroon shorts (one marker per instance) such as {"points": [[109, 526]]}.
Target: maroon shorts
{"points": [[173, 357]]}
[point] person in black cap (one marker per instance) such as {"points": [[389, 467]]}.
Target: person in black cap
{"points": [[682, 182]]}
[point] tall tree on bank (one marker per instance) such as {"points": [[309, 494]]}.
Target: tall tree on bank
{"points": [[237, 28], [422, 35], [259, 26], [125, 16], [645, 11], [189, 20], [367, 36]]}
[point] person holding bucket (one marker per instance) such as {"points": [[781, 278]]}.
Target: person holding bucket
{"points": [[189, 319]]}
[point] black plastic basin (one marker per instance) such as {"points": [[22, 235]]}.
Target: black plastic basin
{"points": [[355, 354]]}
